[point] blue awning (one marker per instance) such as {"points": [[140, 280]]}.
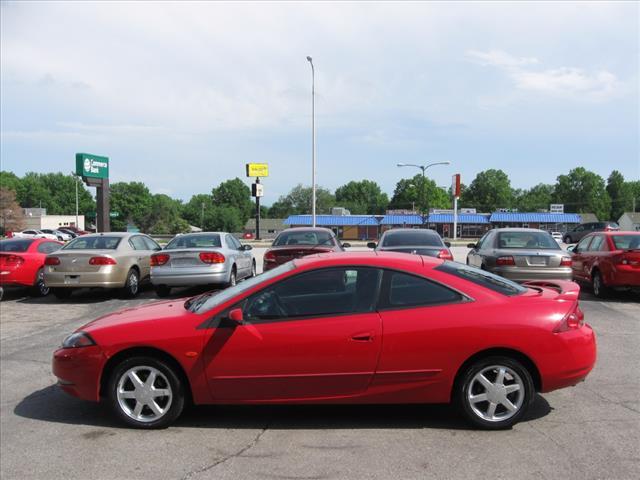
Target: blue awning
{"points": [[463, 218], [512, 217], [402, 220], [332, 220]]}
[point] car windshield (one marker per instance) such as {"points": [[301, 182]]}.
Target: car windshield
{"points": [[209, 240], [101, 242], [18, 245], [534, 240], [207, 301], [417, 238], [305, 237], [482, 277], [626, 242]]}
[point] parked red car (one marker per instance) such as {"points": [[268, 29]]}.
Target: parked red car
{"points": [[361, 327], [22, 262], [299, 242], [608, 260]]}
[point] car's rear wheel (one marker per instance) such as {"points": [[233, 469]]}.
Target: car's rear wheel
{"points": [[145, 392], [61, 293], [132, 284], [39, 288], [233, 277], [598, 286], [163, 291], [495, 392]]}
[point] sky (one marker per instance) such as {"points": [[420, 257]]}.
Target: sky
{"points": [[181, 95]]}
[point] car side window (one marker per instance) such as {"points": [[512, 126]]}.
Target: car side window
{"points": [[583, 245], [596, 243], [229, 242], [151, 243], [326, 292], [404, 290], [580, 228], [48, 247], [138, 243], [482, 240], [235, 242]]}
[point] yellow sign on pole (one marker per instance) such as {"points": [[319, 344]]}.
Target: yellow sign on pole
{"points": [[257, 170]]}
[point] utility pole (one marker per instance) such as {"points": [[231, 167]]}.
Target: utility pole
{"points": [[313, 142]]}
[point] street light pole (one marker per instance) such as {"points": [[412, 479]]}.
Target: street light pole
{"points": [[423, 168], [313, 142], [75, 179]]}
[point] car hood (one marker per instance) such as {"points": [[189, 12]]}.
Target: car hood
{"points": [[152, 312]]}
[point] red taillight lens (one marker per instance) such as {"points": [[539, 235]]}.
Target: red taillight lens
{"points": [[571, 321], [12, 260], [565, 262], [211, 257], [102, 261], [508, 260], [52, 261], [158, 259], [269, 257], [445, 254]]}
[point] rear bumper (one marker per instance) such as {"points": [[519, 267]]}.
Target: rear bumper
{"points": [[624, 276], [78, 371], [519, 274], [106, 277], [185, 278], [11, 278]]}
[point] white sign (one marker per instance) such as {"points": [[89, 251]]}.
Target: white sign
{"points": [[556, 208]]}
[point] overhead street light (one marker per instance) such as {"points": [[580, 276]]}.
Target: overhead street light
{"points": [[423, 168], [313, 142]]}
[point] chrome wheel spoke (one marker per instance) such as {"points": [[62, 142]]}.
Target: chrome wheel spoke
{"points": [[478, 398], [151, 379], [485, 383], [510, 406], [160, 392], [511, 388], [127, 394], [500, 377], [155, 408], [135, 379], [138, 409], [491, 411]]}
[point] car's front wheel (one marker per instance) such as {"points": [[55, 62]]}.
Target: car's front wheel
{"points": [[495, 392], [145, 392]]}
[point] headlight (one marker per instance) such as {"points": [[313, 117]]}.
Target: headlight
{"points": [[77, 340]]}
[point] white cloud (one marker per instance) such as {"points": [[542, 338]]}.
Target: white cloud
{"points": [[498, 58]]}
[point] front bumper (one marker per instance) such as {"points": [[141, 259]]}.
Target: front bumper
{"points": [[78, 371], [521, 274], [106, 277]]}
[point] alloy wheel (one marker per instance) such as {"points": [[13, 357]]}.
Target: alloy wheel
{"points": [[144, 394], [40, 285], [496, 393], [133, 283]]}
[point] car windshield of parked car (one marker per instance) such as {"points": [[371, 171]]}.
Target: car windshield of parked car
{"points": [[303, 238], [627, 242], [18, 245], [93, 243], [526, 240], [407, 239], [207, 301], [195, 241], [482, 277]]}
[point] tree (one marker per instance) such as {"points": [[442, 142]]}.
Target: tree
{"points": [[11, 216], [234, 193], [634, 188], [298, 201], [489, 191], [363, 197], [621, 195], [54, 191], [9, 180], [408, 193], [164, 216], [536, 198], [582, 191], [133, 201]]}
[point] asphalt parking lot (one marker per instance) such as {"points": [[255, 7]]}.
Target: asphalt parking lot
{"points": [[590, 431]]}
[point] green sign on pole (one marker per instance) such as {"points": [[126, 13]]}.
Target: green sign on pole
{"points": [[92, 166]]}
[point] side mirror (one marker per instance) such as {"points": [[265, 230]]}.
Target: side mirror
{"points": [[371, 245], [346, 245], [573, 249], [447, 244], [245, 248], [157, 249], [471, 245], [236, 316]]}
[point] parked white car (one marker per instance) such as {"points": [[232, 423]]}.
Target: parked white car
{"points": [[60, 235], [34, 234], [557, 236]]}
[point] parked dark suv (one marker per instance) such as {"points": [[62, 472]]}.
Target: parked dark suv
{"points": [[575, 235]]}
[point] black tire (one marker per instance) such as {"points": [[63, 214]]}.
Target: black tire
{"points": [[132, 284], [163, 291], [233, 277], [62, 293], [567, 239], [597, 284], [39, 288], [167, 379], [477, 413]]}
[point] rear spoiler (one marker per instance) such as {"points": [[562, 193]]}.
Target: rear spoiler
{"points": [[567, 290]]}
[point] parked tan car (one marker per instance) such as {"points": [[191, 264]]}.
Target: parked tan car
{"points": [[106, 260]]}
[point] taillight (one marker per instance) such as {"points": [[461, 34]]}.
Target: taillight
{"points": [[269, 257], [158, 259], [211, 257], [572, 321], [445, 254], [12, 260], [52, 261], [565, 262], [102, 261], [507, 260]]}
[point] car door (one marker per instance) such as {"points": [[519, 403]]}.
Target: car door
{"points": [[475, 259], [312, 335], [595, 252], [243, 259], [419, 319], [142, 254], [580, 255]]}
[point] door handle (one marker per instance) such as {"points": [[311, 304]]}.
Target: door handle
{"points": [[362, 337]]}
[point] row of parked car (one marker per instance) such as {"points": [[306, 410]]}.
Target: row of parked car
{"points": [[607, 259], [62, 234]]}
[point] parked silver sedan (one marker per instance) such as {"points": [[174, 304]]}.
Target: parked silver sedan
{"points": [[207, 258], [521, 254]]}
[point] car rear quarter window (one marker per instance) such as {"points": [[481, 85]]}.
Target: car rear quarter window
{"points": [[17, 245], [411, 291], [482, 278]]}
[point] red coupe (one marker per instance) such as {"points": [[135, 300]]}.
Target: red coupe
{"points": [[338, 328], [22, 263], [608, 260]]}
